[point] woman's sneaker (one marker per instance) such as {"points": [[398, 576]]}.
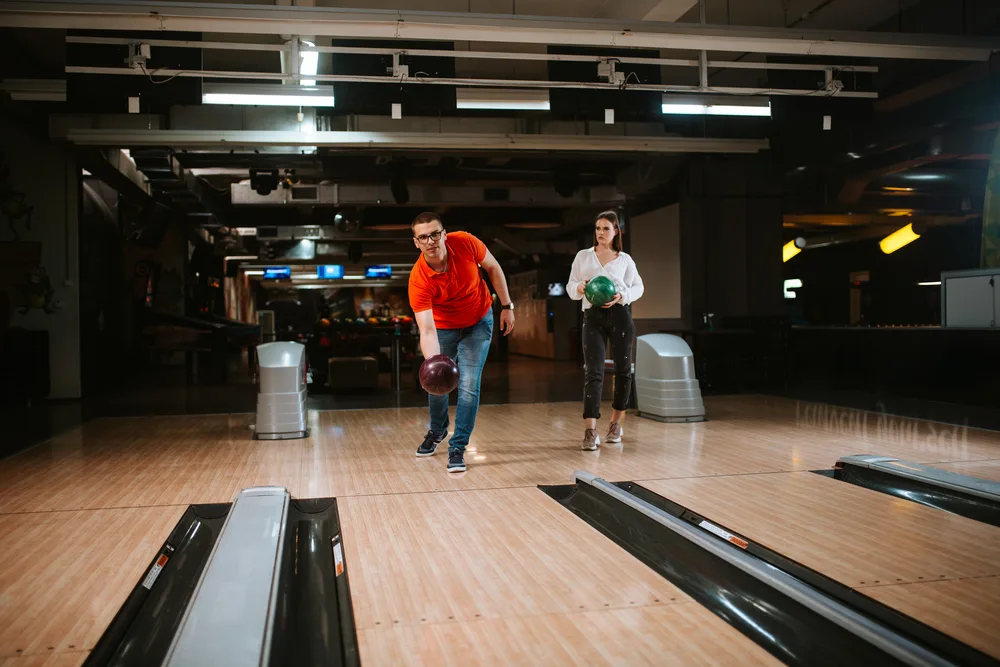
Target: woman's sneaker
{"points": [[590, 440], [430, 443], [614, 433]]}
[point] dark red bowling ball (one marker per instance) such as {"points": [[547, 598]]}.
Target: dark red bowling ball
{"points": [[439, 375]]}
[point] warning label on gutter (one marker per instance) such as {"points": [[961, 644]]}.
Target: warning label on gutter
{"points": [[154, 572], [728, 537]]}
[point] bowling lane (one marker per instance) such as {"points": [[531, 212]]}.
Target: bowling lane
{"points": [[891, 549], [974, 605], [65, 574], [152, 461], [510, 577]]}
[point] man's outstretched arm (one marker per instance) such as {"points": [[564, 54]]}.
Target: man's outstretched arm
{"points": [[429, 344]]}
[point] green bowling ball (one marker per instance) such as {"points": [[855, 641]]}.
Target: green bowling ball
{"points": [[600, 290]]}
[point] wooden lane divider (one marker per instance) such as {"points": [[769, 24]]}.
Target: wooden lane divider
{"points": [[264, 585], [795, 621], [971, 497]]}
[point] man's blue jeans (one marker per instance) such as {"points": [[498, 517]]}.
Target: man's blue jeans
{"points": [[468, 347]]}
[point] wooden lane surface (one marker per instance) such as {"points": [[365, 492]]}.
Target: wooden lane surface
{"points": [[74, 659], [973, 606], [184, 460], [65, 575], [682, 634], [511, 577], [892, 549]]}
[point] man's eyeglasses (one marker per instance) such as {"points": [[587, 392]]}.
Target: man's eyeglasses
{"points": [[424, 239]]}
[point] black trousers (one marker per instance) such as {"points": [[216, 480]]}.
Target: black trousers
{"points": [[601, 325]]}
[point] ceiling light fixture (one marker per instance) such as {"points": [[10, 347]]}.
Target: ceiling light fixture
{"points": [[267, 95], [899, 238], [736, 106], [520, 99], [790, 250]]}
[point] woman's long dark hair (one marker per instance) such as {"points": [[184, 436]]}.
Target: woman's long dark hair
{"points": [[612, 217]]}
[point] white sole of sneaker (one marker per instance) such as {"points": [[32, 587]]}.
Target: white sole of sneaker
{"points": [[462, 469], [420, 456]]}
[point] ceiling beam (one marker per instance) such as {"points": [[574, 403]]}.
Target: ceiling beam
{"points": [[644, 10], [870, 219], [460, 142], [934, 87], [451, 27]]}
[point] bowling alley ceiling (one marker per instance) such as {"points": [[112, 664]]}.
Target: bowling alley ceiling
{"points": [[878, 108]]}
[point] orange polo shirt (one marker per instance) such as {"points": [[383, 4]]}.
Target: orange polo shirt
{"points": [[459, 296]]}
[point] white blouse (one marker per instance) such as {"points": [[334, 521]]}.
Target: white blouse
{"points": [[620, 270]]}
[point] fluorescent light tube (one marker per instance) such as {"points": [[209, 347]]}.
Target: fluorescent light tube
{"points": [[898, 239], [268, 95], [703, 106]]}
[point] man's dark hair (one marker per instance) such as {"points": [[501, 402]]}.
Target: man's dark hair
{"points": [[424, 218]]}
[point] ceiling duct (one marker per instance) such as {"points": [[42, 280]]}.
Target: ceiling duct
{"points": [[336, 194], [244, 194]]}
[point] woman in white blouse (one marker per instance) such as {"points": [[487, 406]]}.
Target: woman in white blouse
{"points": [[613, 322]]}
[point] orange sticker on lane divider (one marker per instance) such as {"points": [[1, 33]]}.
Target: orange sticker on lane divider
{"points": [[154, 572], [741, 543], [728, 537], [338, 557]]}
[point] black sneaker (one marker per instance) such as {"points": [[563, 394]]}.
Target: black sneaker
{"points": [[430, 443], [456, 461]]}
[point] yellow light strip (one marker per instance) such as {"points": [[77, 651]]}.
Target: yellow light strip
{"points": [[898, 239], [790, 250]]}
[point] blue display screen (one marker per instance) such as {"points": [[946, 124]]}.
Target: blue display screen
{"points": [[277, 273], [379, 271], [330, 271]]}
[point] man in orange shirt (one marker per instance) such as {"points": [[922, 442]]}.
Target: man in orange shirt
{"points": [[454, 311]]}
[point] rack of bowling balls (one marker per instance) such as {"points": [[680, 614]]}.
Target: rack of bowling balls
{"points": [[365, 323], [364, 336]]}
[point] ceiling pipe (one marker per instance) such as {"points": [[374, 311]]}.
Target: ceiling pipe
{"points": [[827, 240], [476, 55], [483, 83], [452, 141], [920, 227], [291, 53]]}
